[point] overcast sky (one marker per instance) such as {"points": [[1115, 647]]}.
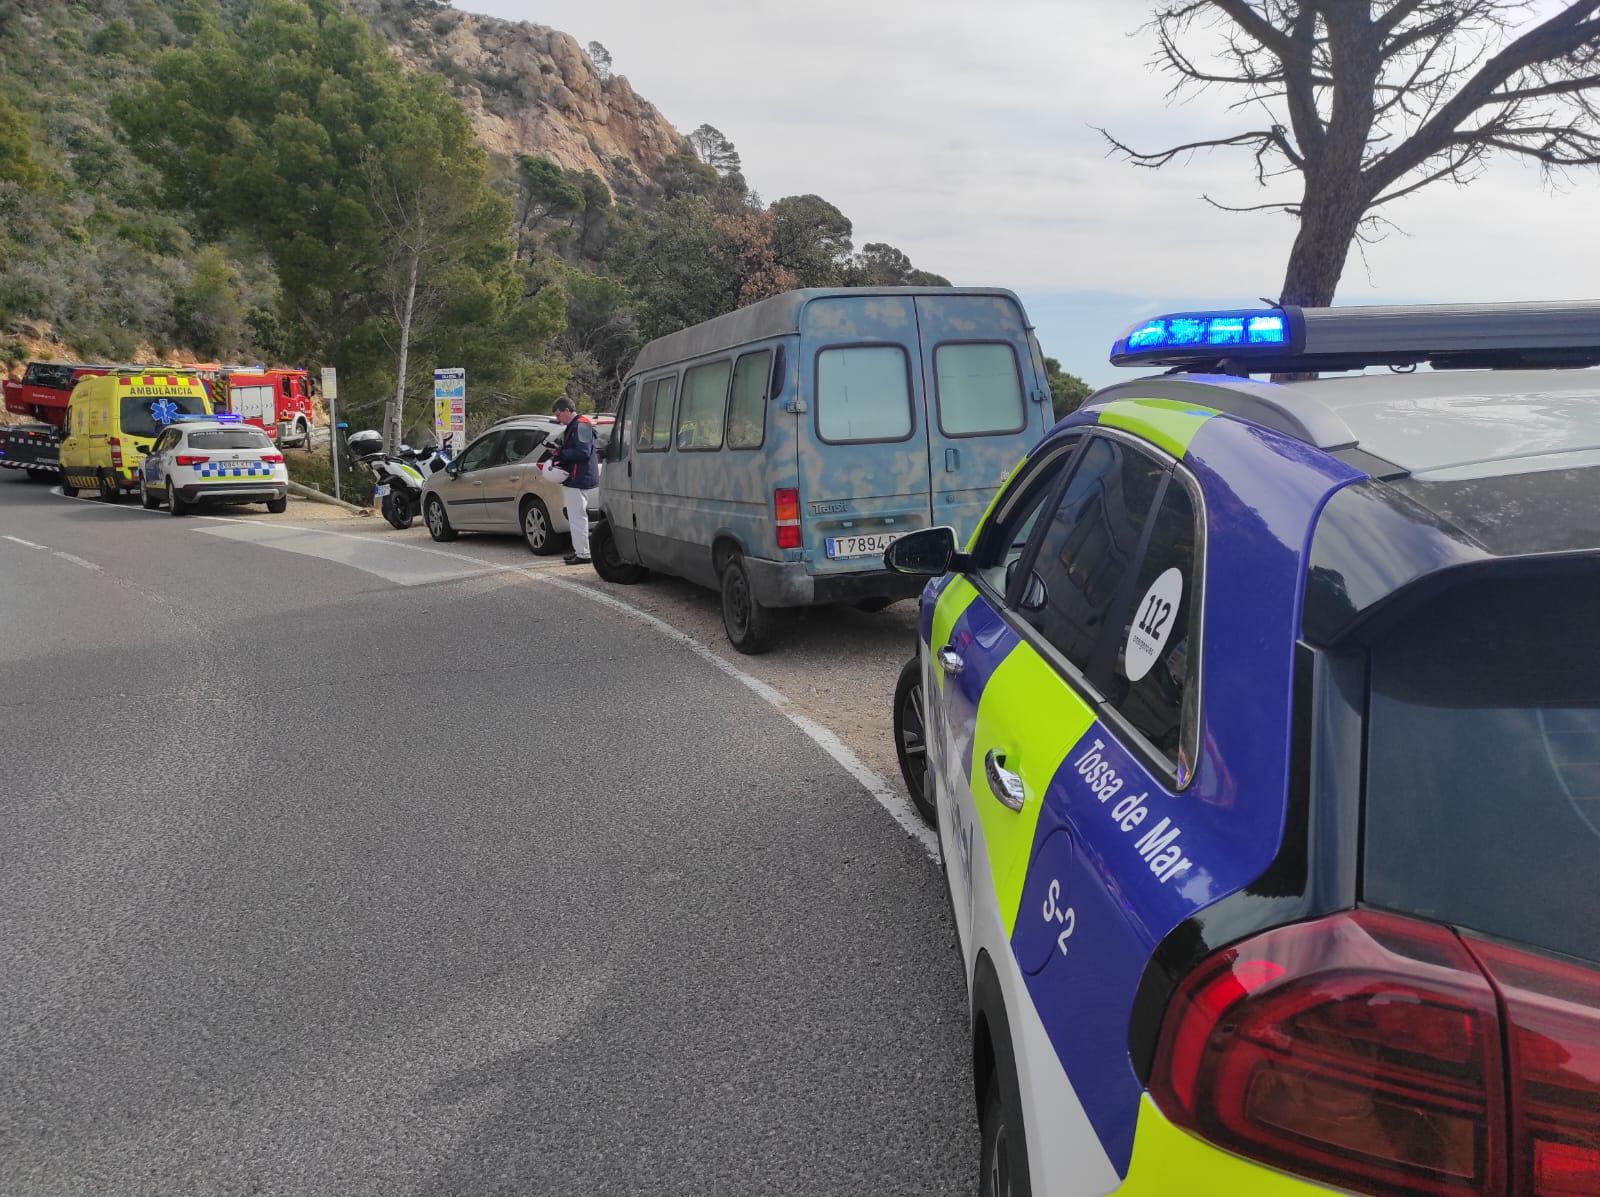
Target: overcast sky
{"points": [[962, 131]]}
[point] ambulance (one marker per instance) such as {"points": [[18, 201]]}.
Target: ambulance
{"points": [[112, 420]]}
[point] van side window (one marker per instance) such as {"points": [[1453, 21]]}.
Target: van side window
{"points": [[627, 417], [655, 414], [747, 405], [863, 394], [979, 390], [705, 399], [647, 410]]}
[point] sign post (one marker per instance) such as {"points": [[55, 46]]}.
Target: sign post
{"points": [[330, 392], [450, 408]]}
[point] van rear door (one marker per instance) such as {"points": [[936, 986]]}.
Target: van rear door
{"points": [[986, 405], [863, 444]]}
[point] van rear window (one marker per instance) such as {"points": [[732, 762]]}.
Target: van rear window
{"points": [[979, 390], [1483, 762], [147, 415], [863, 394]]}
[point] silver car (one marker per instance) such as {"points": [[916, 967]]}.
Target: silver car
{"points": [[495, 486]]}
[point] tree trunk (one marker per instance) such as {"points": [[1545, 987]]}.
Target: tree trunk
{"points": [[1330, 214], [405, 352]]}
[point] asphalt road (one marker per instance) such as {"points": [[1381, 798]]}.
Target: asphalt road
{"points": [[330, 865]]}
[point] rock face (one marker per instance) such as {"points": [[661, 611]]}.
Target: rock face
{"points": [[531, 90]]}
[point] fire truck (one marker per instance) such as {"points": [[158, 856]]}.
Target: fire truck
{"points": [[276, 400], [41, 395]]}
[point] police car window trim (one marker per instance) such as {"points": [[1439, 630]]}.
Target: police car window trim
{"points": [[1045, 474], [955, 429], [828, 407], [747, 409]]}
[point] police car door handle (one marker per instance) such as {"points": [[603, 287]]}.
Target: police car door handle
{"points": [[1003, 784], [950, 661]]}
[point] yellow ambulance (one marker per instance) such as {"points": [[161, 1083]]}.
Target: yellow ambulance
{"points": [[112, 420]]}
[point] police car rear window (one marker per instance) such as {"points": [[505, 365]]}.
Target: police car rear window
{"points": [[1483, 762], [230, 438]]}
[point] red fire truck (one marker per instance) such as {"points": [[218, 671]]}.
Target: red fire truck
{"points": [[42, 395], [276, 400]]}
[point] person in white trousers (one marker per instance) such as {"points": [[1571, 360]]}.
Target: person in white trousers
{"points": [[578, 457]]}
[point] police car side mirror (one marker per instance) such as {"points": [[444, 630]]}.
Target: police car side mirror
{"points": [[926, 553]]}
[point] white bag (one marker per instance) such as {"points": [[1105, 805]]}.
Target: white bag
{"points": [[553, 472]]}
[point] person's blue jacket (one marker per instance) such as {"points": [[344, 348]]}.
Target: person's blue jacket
{"points": [[577, 454]]}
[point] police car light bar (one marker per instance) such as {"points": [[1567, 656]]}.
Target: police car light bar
{"points": [[1291, 339], [221, 417]]}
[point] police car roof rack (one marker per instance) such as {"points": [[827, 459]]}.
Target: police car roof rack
{"points": [[1293, 340]]}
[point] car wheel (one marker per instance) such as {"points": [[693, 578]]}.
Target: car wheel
{"points": [[1002, 1143], [146, 499], [607, 558], [66, 486], [873, 605], [175, 504], [438, 520], [108, 489], [749, 625], [911, 737], [278, 506], [536, 529]]}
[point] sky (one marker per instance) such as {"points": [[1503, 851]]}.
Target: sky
{"points": [[965, 133]]}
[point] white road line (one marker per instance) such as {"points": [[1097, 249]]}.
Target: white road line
{"points": [[897, 806], [76, 560], [25, 543]]}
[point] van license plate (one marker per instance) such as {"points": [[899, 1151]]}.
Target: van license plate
{"points": [[861, 546]]}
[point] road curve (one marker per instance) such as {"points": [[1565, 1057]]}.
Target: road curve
{"points": [[394, 877]]}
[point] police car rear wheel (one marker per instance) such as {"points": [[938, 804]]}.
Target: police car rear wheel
{"points": [[748, 624], [911, 737], [278, 506], [998, 1178]]}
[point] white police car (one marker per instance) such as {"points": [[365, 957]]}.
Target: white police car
{"points": [[1263, 735], [213, 459]]}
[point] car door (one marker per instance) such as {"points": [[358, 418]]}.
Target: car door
{"points": [[462, 492], [155, 462], [502, 483]]}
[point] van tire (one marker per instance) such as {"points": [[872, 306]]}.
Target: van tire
{"points": [[749, 625], [873, 605], [66, 486], [607, 558], [438, 520], [40, 474], [537, 532], [108, 489]]}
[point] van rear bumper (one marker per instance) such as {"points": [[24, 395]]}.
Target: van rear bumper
{"points": [[787, 584]]}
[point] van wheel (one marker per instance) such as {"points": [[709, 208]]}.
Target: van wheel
{"points": [[911, 737], [438, 520], [873, 605], [66, 486], [108, 489], [39, 474], [749, 624], [607, 558], [536, 528]]}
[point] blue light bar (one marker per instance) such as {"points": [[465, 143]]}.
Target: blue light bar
{"points": [[221, 417], [1200, 334]]}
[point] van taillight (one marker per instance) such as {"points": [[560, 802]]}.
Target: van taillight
{"points": [[116, 451], [786, 510], [1361, 1049], [1552, 1015]]}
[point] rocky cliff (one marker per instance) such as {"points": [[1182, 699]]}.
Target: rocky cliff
{"points": [[531, 90]]}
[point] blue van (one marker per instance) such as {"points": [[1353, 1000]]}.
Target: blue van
{"points": [[775, 452]]}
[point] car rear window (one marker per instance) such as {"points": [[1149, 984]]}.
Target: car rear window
{"points": [[1483, 761], [229, 438], [147, 415]]}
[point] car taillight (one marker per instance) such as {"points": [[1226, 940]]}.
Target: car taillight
{"points": [[1552, 1015], [786, 510], [272, 458], [188, 459], [116, 451], [1362, 1049]]}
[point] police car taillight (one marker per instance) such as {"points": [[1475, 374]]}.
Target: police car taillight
{"points": [[272, 458], [1361, 1049], [190, 459]]}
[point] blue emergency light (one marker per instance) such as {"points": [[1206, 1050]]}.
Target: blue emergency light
{"points": [[1188, 335], [221, 417]]}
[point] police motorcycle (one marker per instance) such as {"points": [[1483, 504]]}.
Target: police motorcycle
{"points": [[400, 475]]}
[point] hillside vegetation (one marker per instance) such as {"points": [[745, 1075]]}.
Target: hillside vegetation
{"points": [[383, 186]]}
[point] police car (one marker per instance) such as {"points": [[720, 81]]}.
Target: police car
{"points": [[1263, 733], [213, 459]]}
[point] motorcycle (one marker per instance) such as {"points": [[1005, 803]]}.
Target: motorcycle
{"points": [[400, 475]]}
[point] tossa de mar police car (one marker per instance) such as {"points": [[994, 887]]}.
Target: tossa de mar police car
{"points": [[1262, 725], [213, 459]]}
